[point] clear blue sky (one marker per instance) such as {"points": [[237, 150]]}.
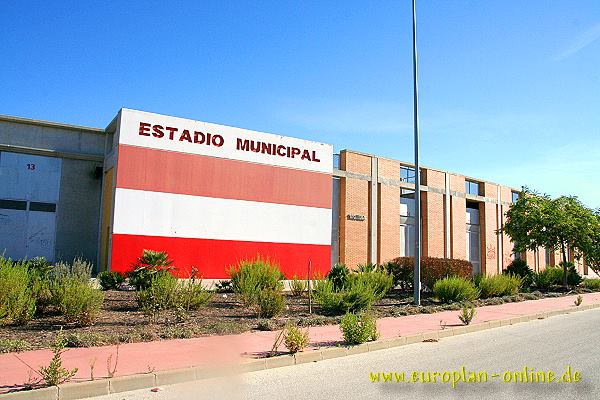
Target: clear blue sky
{"points": [[509, 90]]}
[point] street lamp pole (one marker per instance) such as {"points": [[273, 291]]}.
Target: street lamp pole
{"points": [[417, 271]]}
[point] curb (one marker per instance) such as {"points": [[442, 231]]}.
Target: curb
{"points": [[75, 391]]}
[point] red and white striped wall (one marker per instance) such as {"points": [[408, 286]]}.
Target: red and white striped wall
{"points": [[210, 195]]}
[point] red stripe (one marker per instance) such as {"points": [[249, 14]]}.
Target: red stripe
{"points": [[180, 173], [213, 257]]}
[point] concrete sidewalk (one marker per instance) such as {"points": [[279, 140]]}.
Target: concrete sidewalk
{"points": [[223, 351]]}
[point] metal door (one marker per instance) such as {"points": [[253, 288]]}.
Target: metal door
{"points": [[474, 247], [13, 228], [29, 190], [473, 239]]}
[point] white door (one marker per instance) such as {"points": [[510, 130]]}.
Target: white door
{"points": [[41, 231], [13, 229], [29, 190]]}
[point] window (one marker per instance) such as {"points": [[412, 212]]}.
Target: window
{"points": [[407, 223], [13, 204], [407, 240], [472, 213], [472, 187], [515, 196], [407, 174], [336, 161], [45, 207], [407, 203]]}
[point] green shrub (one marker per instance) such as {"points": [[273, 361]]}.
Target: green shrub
{"points": [[269, 303], [573, 277], [141, 277], [327, 297], [149, 264], [178, 332], [110, 280], [13, 345], [357, 296], [17, 299], [297, 286], [249, 278], [79, 269], [42, 292], [550, 276], [359, 328], [159, 295], [467, 314], [40, 267], [295, 339], [477, 279], [553, 275], [370, 267], [380, 280], [87, 339], [155, 259], [79, 302], [55, 374], [499, 285], [455, 289], [191, 295], [432, 270], [402, 270], [592, 284], [519, 267], [359, 293], [338, 275]]}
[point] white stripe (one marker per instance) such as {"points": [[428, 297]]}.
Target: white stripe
{"points": [[140, 212], [129, 133]]}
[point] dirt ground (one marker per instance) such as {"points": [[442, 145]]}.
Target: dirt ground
{"points": [[120, 320]]}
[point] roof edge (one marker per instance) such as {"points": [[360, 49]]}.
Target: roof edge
{"points": [[36, 122]]}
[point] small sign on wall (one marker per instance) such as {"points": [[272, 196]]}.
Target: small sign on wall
{"points": [[355, 217]]}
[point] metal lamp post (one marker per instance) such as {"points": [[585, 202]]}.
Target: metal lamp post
{"points": [[417, 270]]}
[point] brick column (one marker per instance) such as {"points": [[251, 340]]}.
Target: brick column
{"points": [[354, 199], [458, 207], [507, 246], [433, 214], [489, 239], [389, 212]]}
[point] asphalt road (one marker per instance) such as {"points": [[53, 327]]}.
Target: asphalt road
{"points": [[551, 344]]}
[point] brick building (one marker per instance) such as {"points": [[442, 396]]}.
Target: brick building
{"points": [[374, 215]]}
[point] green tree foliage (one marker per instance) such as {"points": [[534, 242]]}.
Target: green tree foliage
{"points": [[563, 223], [591, 248]]}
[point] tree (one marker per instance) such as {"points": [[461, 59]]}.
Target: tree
{"points": [[536, 220], [592, 247]]}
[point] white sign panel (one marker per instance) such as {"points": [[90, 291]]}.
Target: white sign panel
{"points": [[163, 132]]}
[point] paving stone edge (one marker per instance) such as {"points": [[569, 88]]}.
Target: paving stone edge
{"points": [[80, 390]]}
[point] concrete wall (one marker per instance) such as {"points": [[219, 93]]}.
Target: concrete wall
{"points": [[82, 151], [51, 137], [78, 212]]}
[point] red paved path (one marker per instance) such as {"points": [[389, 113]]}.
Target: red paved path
{"points": [[172, 354]]}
